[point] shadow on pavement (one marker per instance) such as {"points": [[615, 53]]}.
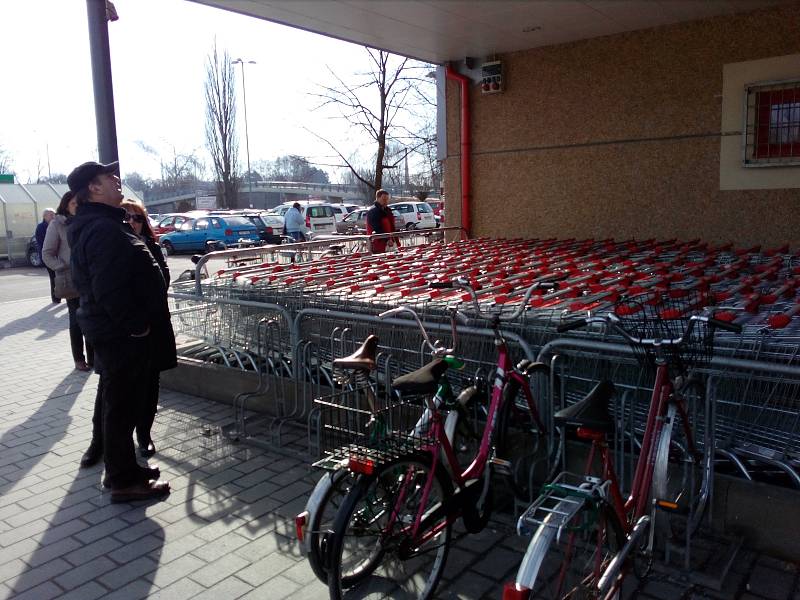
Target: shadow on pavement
{"points": [[71, 545], [51, 320], [28, 442]]}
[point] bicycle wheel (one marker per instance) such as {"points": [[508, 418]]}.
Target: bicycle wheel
{"points": [[569, 553], [520, 442], [322, 507], [372, 554], [680, 480]]}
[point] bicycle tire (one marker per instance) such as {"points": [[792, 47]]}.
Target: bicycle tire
{"points": [[365, 514], [519, 439], [322, 506], [565, 558], [678, 478]]}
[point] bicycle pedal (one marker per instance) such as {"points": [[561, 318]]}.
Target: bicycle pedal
{"points": [[669, 506], [501, 466]]}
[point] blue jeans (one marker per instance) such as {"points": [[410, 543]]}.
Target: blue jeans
{"points": [[297, 235]]}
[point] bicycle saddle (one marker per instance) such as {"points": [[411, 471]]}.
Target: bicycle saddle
{"points": [[361, 359], [592, 411], [422, 381]]}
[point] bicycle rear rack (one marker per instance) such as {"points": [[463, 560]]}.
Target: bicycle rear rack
{"points": [[560, 501]]}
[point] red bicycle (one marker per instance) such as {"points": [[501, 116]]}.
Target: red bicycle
{"points": [[392, 532], [585, 533]]}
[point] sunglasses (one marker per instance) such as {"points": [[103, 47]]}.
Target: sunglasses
{"points": [[135, 218]]}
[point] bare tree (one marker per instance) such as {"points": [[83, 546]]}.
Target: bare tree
{"points": [[180, 171], [5, 161], [291, 167], [55, 178], [385, 103], [221, 125]]}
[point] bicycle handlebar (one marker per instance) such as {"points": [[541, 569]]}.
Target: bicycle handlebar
{"points": [[436, 350], [616, 323], [463, 284]]}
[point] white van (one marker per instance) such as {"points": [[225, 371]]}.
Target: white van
{"points": [[342, 210], [413, 215], [320, 217]]}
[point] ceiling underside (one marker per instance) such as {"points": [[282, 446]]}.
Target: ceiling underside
{"points": [[438, 31]]}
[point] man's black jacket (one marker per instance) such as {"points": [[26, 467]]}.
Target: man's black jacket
{"points": [[122, 290]]}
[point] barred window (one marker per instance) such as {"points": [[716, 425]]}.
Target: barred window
{"points": [[772, 124]]}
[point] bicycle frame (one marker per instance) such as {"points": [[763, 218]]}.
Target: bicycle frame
{"points": [[476, 468], [635, 506]]}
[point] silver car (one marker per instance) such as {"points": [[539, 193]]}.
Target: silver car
{"points": [[353, 223]]}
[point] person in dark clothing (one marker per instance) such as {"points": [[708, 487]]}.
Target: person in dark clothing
{"points": [[380, 220], [163, 357], [123, 307], [40, 233]]}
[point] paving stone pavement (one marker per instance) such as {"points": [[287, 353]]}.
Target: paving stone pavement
{"points": [[225, 531]]}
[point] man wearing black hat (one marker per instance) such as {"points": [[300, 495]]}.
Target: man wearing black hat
{"points": [[122, 298]]}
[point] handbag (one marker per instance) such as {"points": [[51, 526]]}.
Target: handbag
{"points": [[63, 287]]}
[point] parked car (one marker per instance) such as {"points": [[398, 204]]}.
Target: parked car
{"points": [[32, 253], [340, 211], [275, 223], [354, 222], [413, 215], [197, 235], [320, 217], [269, 233], [170, 222], [437, 206], [282, 208]]}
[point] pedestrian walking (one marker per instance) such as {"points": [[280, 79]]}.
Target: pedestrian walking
{"points": [[122, 301], [163, 354], [39, 234], [380, 219], [56, 256], [294, 223]]}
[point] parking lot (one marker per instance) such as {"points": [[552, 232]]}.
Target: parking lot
{"points": [[226, 529]]}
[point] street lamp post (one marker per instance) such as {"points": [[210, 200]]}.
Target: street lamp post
{"points": [[241, 62]]}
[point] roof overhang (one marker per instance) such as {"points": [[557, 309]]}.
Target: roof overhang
{"points": [[438, 31]]}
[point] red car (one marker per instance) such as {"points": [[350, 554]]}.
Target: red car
{"points": [[437, 206], [169, 223]]}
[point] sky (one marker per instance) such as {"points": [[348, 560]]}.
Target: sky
{"points": [[158, 54]]}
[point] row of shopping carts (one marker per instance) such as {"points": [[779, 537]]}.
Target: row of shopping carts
{"points": [[288, 319]]}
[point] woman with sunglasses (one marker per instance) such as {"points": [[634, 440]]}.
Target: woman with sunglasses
{"points": [[163, 353], [56, 255]]}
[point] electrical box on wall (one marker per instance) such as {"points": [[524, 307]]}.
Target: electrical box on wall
{"points": [[492, 77]]}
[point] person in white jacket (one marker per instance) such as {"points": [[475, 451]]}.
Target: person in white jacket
{"points": [[56, 254]]}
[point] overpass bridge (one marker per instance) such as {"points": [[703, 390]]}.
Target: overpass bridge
{"points": [[267, 194]]}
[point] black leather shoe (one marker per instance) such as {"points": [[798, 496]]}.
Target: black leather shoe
{"points": [[148, 472], [147, 450], [92, 456], [149, 490]]}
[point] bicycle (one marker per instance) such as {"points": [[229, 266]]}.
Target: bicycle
{"points": [[315, 521], [391, 535], [581, 522]]}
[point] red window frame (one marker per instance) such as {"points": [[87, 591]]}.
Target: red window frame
{"points": [[777, 113]]}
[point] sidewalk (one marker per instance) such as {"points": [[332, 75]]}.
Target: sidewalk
{"points": [[225, 531]]}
